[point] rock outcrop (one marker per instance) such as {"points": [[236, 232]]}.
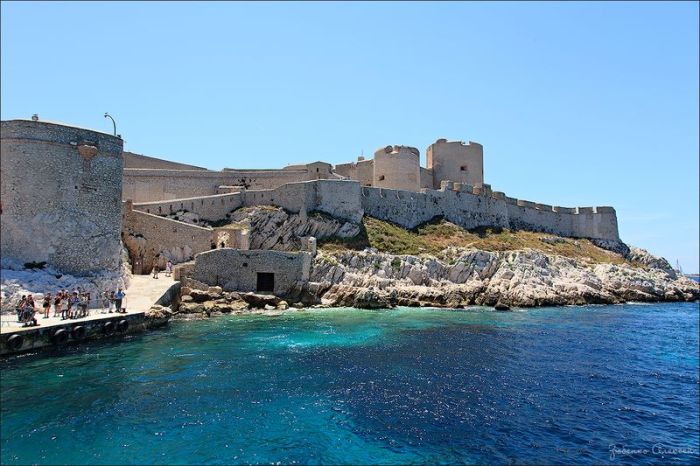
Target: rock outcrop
{"points": [[521, 278], [273, 228]]}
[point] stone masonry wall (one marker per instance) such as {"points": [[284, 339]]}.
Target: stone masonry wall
{"points": [[479, 207], [152, 239], [211, 208], [149, 185], [132, 160], [236, 270], [340, 199], [61, 196], [145, 185]]}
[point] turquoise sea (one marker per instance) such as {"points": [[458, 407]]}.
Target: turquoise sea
{"points": [[592, 384]]}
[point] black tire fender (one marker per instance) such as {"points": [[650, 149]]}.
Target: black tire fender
{"points": [[60, 336], [79, 332], [123, 325], [15, 342], [108, 328]]}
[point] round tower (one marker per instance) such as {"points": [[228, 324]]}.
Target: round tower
{"points": [[397, 167], [456, 161], [61, 192]]}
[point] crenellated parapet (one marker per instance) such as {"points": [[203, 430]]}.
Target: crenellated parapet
{"points": [[479, 206]]}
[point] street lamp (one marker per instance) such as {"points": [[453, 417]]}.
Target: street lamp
{"points": [[114, 124]]}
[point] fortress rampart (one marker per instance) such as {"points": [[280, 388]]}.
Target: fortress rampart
{"points": [[152, 239], [148, 185], [472, 207], [61, 196], [132, 160], [211, 208]]}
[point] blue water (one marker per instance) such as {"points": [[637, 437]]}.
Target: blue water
{"points": [[551, 385]]}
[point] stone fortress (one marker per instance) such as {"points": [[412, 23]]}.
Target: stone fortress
{"points": [[86, 197]]}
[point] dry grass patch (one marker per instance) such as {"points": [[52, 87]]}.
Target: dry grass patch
{"points": [[434, 237]]}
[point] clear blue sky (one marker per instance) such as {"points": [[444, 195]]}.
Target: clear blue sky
{"points": [[575, 103]]}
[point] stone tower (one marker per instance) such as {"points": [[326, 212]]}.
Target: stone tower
{"points": [[61, 190], [397, 167], [456, 161]]}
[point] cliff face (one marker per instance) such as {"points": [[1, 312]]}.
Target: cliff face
{"points": [[450, 267], [473, 277]]}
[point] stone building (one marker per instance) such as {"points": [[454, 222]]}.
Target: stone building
{"points": [[255, 270], [61, 190]]}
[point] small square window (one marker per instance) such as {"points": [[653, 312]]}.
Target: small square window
{"points": [[381, 177], [463, 168]]}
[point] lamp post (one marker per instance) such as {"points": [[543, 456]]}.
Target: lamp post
{"points": [[114, 124]]}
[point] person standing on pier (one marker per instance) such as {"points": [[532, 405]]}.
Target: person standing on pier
{"points": [[47, 305], [106, 303], [65, 305], [20, 308], [118, 299], [73, 307], [57, 303]]}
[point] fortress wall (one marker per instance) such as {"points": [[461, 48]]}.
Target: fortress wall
{"points": [[132, 160], [147, 185], [293, 197], [407, 209], [426, 178], [61, 196], [150, 238], [471, 211], [211, 208], [365, 172], [362, 171], [237, 270], [461, 208], [527, 217], [348, 170], [340, 199], [600, 224]]}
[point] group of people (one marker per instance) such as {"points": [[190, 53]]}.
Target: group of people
{"points": [[168, 270], [68, 305]]}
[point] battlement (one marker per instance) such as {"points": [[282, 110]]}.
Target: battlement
{"points": [[460, 143], [406, 151], [480, 207]]}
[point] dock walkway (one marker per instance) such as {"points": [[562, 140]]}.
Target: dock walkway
{"points": [[142, 293]]}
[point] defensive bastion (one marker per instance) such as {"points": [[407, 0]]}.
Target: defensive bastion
{"points": [[61, 190]]}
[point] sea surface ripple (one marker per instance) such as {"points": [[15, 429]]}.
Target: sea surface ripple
{"points": [[592, 384]]}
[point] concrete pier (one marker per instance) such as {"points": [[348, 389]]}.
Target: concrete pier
{"points": [[143, 292]]}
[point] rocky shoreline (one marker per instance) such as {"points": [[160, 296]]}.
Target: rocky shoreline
{"points": [[463, 278], [524, 278]]}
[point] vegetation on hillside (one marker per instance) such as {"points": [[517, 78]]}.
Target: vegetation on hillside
{"points": [[434, 237]]}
